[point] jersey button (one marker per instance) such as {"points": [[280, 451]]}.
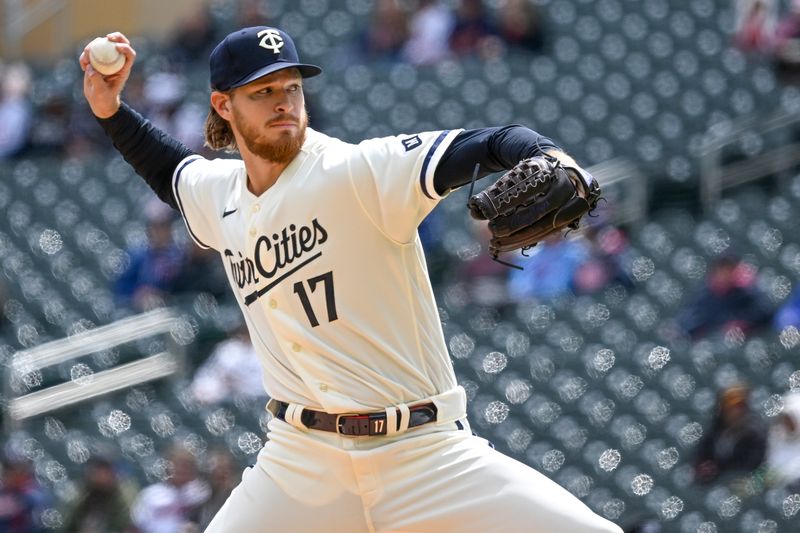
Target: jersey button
{"points": [[273, 303], [295, 347], [256, 208], [252, 232]]}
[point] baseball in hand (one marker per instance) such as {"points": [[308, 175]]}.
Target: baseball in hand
{"points": [[104, 57]]}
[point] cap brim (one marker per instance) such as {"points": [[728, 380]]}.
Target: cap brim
{"points": [[306, 71]]}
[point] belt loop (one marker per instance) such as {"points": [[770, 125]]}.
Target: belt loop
{"points": [[391, 420], [405, 417], [293, 415], [272, 406]]}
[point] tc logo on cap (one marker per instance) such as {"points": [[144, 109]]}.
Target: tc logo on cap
{"points": [[233, 63], [273, 38]]}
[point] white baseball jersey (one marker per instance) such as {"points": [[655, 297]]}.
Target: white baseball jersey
{"points": [[328, 268]]}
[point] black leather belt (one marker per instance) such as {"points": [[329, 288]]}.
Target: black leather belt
{"points": [[359, 425]]}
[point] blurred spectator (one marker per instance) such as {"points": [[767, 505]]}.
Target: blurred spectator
{"points": [[755, 25], [153, 270], [549, 270], [49, 132], [386, 33], [101, 506], [231, 371], [787, 44], [429, 31], [22, 499], [84, 137], [736, 442], [729, 300], [471, 29], [645, 523], [194, 37], [783, 445], [608, 246], [163, 95], [520, 24], [3, 300], [253, 13], [789, 313], [172, 506], [222, 477], [165, 99], [201, 271], [485, 278], [15, 110], [188, 120]]}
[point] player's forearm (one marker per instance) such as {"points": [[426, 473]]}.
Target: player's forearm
{"points": [[496, 149], [153, 154]]}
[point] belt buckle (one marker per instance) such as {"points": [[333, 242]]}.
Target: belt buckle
{"points": [[355, 425], [342, 426]]}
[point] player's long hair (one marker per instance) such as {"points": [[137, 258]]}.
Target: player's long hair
{"points": [[218, 133]]}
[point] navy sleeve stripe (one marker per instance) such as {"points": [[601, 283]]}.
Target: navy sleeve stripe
{"points": [[424, 172], [180, 202]]}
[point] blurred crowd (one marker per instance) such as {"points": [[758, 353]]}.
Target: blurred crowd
{"points": [[764, 27], [746, 453], [728, 302], [50, 119], [433, 32], [107, 499]]}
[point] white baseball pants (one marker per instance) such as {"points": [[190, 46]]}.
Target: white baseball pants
{"points": [[432, 479]]}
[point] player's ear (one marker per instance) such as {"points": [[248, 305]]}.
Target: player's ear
{"points": [[221, 102]]}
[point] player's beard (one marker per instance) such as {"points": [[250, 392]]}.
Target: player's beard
{"points": [[281, 151]]}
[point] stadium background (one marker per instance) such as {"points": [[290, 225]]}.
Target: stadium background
{"points": [[694, 136]]}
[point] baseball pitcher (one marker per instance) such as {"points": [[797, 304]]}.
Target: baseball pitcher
{"points": [[319, 242]]}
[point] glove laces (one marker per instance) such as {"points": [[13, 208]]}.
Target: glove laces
{"points": [[492, 254]]}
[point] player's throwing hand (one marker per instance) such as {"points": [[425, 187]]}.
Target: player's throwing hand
{"points": [[102, 92]]}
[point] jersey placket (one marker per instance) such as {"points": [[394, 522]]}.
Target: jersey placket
{"points": [[256, 228]]}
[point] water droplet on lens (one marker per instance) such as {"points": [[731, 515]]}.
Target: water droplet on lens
{"points": [[249, 443], [791, 505], [671, 507], [496, 412], [658, 358], [119, 421], [81, 374], [50, 242], [553, 460], [494, 362], [609, 459], [642, 484], [667, 458]]}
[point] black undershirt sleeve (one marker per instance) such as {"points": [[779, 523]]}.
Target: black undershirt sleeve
{"points": [[496, 149], [153, 154]]}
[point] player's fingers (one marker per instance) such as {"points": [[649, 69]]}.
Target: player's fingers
{"points": [[117, 37], [83, 59], [128, 51], [92, 74]]}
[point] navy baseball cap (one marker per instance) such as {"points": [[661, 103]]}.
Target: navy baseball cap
{"points": [[251, 53]]}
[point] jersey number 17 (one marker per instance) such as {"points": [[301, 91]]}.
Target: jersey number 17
{"points": [[330, 300]]}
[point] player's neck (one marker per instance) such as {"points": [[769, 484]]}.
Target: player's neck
{"points": [[261, 174]]}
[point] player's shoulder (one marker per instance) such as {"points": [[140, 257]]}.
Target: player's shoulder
{"points": [[403, 144], [330, 153], [197, 167], [198, 163], [318, 143]]}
